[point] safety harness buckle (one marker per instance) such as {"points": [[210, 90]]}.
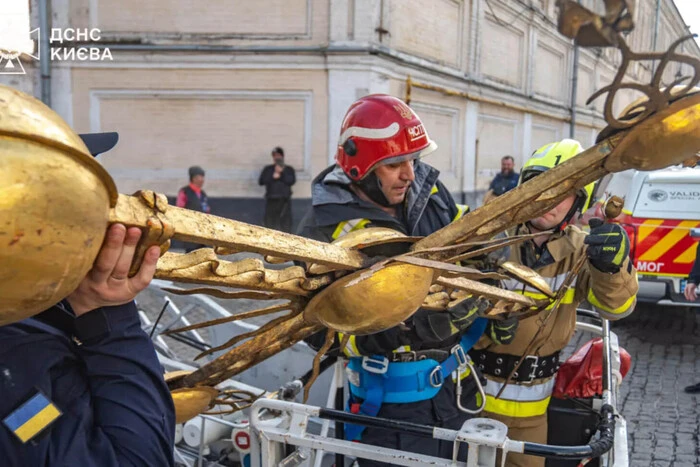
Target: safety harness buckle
{"points": [[436, 377], [460, 355], [378, 366]]}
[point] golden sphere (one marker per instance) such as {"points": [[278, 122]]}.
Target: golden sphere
{"points": [[54, 207], [366, 302], [369, 301]]}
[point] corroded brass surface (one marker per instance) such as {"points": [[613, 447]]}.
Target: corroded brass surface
{"points": [[197, 227], [666, 138], [372, 236], [527, 276], [485, 290], [54, 201], [190, 402], [527, 201], [591, 30], [364, 303], [656, 97], [364, 283], [612, 207], [251, 352], [373, 241], [204, 267]]}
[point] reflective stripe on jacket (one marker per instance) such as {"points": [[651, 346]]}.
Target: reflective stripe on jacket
{"points": [[614, 295]]}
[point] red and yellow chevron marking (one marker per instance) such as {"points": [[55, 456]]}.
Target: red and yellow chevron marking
{"points": [[647, 228], [663, 247]]}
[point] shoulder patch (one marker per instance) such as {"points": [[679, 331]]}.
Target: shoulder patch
{"points": [[32, 417]]}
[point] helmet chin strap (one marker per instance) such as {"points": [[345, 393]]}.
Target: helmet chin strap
{"points": [[372, 187]]}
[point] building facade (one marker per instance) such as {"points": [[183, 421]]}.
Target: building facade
{"points": [[221, 85]]}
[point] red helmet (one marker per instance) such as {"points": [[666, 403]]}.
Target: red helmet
{"points": [[380, 129]]}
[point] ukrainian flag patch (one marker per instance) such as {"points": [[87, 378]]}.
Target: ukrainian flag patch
{"points": [[32, 417]]}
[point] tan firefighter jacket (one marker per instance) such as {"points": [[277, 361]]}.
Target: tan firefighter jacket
{"points": [[614, 296]]}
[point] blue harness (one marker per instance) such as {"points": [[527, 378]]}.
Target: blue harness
{"points": [[402, 382]]}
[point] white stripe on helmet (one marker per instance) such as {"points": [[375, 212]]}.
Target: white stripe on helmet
{"points": [[369, 133]]}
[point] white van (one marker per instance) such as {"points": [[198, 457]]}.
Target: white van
{"points": [[662, 218]]}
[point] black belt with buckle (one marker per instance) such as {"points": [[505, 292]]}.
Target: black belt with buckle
{"points": [[500, 365]]}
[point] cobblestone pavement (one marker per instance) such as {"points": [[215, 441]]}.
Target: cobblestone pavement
{"points": [[663, 421], [664, 343]]}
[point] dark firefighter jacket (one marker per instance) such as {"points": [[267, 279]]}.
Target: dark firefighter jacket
{"points": [[100, 372]]}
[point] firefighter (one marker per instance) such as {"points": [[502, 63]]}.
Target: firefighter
{"points": [[608, 281], [380, 181]]}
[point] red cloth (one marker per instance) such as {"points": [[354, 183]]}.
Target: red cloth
{"points": [[181, 201], [581, 376]]}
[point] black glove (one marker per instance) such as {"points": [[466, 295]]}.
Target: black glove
{"points": [[502, 332], [463, 315], [608, 246]]}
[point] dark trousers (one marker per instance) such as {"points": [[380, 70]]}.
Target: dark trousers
{"points": [[440, 411], [278, 214]]}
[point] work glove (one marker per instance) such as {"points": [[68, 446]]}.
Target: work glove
{"points": [[502, 332], [463, 315], [608, 246], [432, 328]]}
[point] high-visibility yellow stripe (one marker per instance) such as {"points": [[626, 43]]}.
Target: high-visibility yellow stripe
{"points": [[350, 349], [668, 241], [621, 309], [646, 228], [360, 225], [461, 210], [346, 227], [620, 256], [566, 300], [433, 190], [665, 274], [338, 230], [688, 256], [462, 375], [515, 408], [37, 423]]}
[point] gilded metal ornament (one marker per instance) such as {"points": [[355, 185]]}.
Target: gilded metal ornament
{"points": [[57, 203]]}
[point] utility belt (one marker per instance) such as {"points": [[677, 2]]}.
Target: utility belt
{"points": [[375, 380], [401, 382], [419, 355], [500, 365]]}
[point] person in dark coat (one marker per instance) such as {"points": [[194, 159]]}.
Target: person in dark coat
{"points": [[80, 382], [194, 197], [278, 179], [691, 295], [379, 181]]}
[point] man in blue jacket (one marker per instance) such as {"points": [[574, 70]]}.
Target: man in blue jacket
{"points": [[80, 382], [504, 181]]}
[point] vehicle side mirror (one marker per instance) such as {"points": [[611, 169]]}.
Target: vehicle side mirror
{"points": [[695, 233]]}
